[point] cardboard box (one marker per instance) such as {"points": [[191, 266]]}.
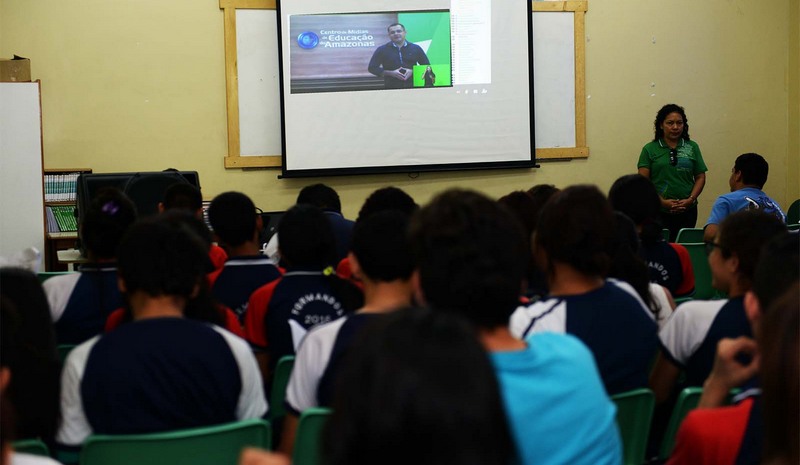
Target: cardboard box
{"points": [[17, 69]]}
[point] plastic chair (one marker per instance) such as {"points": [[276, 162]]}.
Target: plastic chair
{"points": [[634, 413], [687, 401], [689, 235], [208, 445], [793, 213], [702, 272], [280, 380], [31, 446], [793, 227], [64, 350], [309, 435], [45, 275]]}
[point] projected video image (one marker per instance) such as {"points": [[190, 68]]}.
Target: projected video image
{"points": [[370, 51]]}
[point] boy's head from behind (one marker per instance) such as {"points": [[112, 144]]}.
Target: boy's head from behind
{"points": [[233, 217], [320, 196], [162, 257], [306, 238], [471, 256], [380, 246]]}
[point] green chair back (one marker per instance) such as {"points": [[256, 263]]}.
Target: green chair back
{"points": [[308, 440], [793, 213], [283, 370], [45, 275], [208, 445], [702, 271], [64, 350], [687, 401], [793, 227], [689, 235], [634, 413], [31, 446]]}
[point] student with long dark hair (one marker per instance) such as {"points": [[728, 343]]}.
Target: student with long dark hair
{"points": [[81, 302]]}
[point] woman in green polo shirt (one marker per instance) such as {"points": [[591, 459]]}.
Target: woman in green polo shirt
{"points": [[675, 165]]}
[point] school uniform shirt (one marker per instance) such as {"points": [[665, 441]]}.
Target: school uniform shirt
{"points": [[158, 374], [239, 278], [81, 302], [318, 362], [689, 339], [281, 313], [670, 265], [612, 321]]}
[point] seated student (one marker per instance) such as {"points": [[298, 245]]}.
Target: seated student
{"points": [[725, 435], [217, 314], [385, 198], [627, 265], [186, 197], [689, 339], [572, 246], [669, 263], [162, 371], [417, 388], [470, 254], [28, 334], [81, 302], [327, 200], [381, 260], [236, 224], [748, 176], [309, 293]]}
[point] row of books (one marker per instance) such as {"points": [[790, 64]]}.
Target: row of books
{"points": [[60, 187], [61, 218]]}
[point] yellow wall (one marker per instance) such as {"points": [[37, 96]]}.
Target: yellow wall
{"points": [[130, 86]]}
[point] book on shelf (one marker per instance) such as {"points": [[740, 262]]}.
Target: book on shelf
{"points": [[60, 187], [61, 218]]}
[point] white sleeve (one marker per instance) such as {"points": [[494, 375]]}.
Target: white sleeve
{"points": [[687, 327], [58, 290], [252, 402], [310, 362], [74, 427], [271, 249], [544, 316]]}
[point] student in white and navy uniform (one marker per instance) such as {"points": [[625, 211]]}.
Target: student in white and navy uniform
{"points": [[236, 224], [689, 339], [571, 244], [81, 302], [280, 313], [162, 371], [381, 260]]}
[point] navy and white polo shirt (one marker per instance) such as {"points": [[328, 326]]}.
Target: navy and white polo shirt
{"points": [[239, 278]]}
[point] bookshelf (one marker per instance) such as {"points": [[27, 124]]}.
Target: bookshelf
{"points": [[61, 227]]}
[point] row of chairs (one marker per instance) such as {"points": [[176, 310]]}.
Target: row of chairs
{"points": [[634, 415]]}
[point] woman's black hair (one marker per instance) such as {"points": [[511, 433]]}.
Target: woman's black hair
{"points": [[109, 215], [307, 242], [576, 227], [417, 388], [662, 115], [29, 350], [627, 263], [636, 197]]}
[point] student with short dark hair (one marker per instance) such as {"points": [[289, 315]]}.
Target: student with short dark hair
{"points": [[380, 258], [689, 339], [309, 293], [470, 254], [81, 302], [748, 176], [236, 224], [572, 244], [182, 196], [162, 371]]}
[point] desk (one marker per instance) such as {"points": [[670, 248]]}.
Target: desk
{"points": [[53, 242], [71, 257]]}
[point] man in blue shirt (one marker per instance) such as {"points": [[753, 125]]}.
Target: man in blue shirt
{"points": [[748, 176], [395, 60]]}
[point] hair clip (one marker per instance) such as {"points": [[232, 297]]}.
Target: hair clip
{"points": [[110, 208]]}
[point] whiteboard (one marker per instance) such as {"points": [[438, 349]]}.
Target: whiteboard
{"points": [[558, 112], [21, 180]]}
